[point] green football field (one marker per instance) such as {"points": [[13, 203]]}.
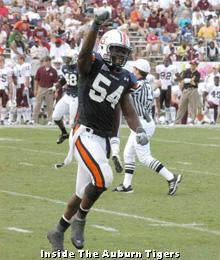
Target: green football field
{"points": [[33, 196]]}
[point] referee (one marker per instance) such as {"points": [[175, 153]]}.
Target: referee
{"points": [[190, 97]]}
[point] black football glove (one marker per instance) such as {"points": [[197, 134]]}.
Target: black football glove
{"points": [[101, 16]]}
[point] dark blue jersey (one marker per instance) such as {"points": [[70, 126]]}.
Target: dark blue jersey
{"points": [[99, 93], [69, 76]]}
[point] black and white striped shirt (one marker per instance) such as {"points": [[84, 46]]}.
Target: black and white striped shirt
{"points": [[143, 98]]}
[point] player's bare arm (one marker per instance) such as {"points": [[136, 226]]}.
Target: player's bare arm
{"points": [[132, 119], [85, 55], [117, 121], [130, 113]]}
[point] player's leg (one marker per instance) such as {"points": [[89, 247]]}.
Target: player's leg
{"points": [[19, 98], [144, 156], [115, 149], [4, 101], [212, 112], [173, 110], [26, 110], [167, 105], [215, 113], [73, 107], [56, 235], [129, 164], [90, 152], [60, 110]]}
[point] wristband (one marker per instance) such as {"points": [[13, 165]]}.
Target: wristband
{"points": [[95, 26]]}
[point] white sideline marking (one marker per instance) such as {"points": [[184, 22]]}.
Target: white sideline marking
{"points": [[186, 143], [108, 229], [184, 163], [214, 138], [139, 164], [10, 139], [121, 214], [184, 225], [195, 171], [25, 164], [32, 150], [20, 230]]}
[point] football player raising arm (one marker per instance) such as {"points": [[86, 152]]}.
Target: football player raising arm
{"points": [[103, 84]]}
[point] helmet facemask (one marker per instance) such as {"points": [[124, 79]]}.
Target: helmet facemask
{"points": [[117, 55]]}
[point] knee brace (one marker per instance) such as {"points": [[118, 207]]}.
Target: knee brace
{"points": [[93, 192]]}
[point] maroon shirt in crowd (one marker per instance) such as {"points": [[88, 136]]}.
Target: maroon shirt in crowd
{"points": [[171, 27], [203, 4], [46, 78], [40, 33], [153, 21]]}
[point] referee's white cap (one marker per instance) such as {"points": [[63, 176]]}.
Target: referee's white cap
{"points": [[142, 65]]}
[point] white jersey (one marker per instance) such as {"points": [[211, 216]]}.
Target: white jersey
{"points": [[21, 72], [150, 78], [209, 80], [5, 73], [166, 75], [214, 95], [176, 91]]}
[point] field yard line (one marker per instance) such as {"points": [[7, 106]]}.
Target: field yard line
{"points": [[32, 150], [183, 225], [186, 143], [108, 229], [10, 139], [116, 213], [139, 164], [179, 142], [195, 171], [20, 230], [184, 163], [26, 164], [214, 138]]}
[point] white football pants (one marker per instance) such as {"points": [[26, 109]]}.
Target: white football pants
{"points": [[93, 165], [132, 149], [67, 104]]}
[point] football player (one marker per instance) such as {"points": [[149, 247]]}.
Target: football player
{"points": [[143, 98], [103, 84], [69, 102], [165, 73], [22, 73], [212, 97], [5, 88]]}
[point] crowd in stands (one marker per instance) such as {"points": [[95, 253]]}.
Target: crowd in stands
{"points": [[182, 30]]}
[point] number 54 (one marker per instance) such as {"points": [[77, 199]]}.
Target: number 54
{"points": [[99, 93]]}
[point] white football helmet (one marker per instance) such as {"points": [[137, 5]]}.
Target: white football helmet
{"points": [[114, 47], [71, 57]]}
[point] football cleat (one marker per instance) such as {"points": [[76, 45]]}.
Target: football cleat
{"points": [[62, 138], [59, 165], [77, 232], [117, 163], [56, 238], [121, 188], [173, 184]]}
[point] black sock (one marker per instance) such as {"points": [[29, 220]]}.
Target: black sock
{"points": [[63, 225], [81, 213], [61, 126]]}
